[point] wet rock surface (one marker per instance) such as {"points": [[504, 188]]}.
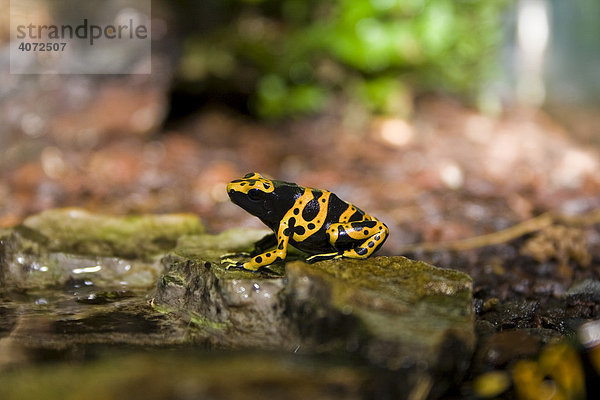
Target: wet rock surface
{"points": [[384, 327], [52, 247], [402, 315], [408, 318]]}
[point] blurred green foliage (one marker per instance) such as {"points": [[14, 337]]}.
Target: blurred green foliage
{"points": [[295, 56]]}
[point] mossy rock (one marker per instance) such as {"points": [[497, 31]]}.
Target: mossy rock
{"points": [[57, 245], [224, 308], [409, 321], [396, 314], [76, 231]]}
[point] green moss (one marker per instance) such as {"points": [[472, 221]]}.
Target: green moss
{"points": [[407, 302], [76, 231], [226, 248], [205, 323], [161, 308], [173, 278], [397, 278], [232, 240]]}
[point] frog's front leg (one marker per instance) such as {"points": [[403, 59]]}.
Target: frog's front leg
{"points": [[357, 239], [271, 256]]}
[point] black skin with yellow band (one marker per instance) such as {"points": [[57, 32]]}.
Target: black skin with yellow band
{"points": [[312, 220]]}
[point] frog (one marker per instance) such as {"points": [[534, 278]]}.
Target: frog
{"points": [[315, 221]]}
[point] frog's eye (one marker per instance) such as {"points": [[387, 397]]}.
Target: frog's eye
{"points": [[254, 194]]}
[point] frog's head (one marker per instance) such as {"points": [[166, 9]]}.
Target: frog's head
{"points": [[254, 194]]}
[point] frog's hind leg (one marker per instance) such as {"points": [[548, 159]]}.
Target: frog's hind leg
{"points": [[356, 239], [368, 236]]}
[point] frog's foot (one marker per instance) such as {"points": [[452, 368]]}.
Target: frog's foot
{"points": [[233, 261], [322, 257], [229, 263], [262, 260]]}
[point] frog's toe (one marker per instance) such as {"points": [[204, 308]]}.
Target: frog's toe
{"points": [[237, 265], [229, 263], [322, 257]]}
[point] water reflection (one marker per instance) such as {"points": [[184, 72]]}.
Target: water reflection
{"points": [[50, 324], [12, 348]]}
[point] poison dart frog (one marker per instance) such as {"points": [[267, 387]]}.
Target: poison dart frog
{"points": [[312, 220]]}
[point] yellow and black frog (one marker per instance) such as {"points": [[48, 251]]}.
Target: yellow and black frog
{"points": [[312, 220]]}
